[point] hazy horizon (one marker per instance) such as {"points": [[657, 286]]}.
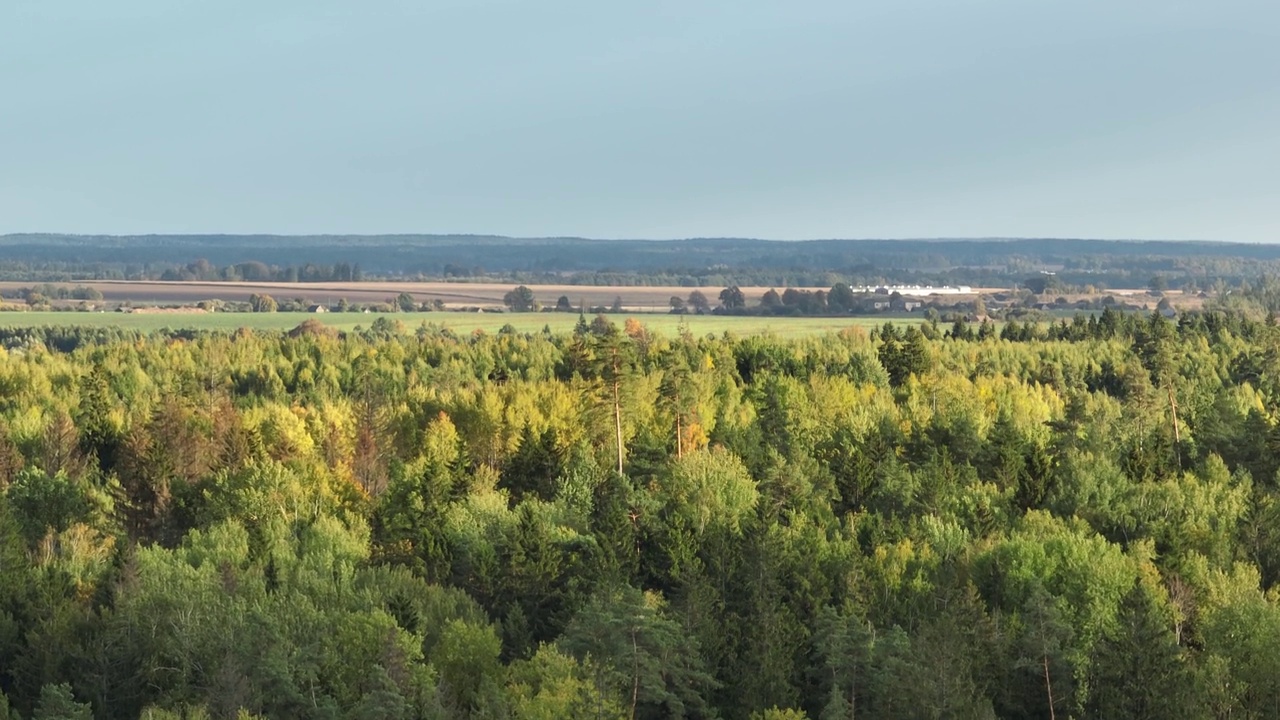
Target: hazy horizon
{"points": [[811, 120], [712, 238]]}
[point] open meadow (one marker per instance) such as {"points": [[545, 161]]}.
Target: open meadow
{"points": [[457, 321]]}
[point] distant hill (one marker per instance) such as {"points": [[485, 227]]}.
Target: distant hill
{"points": [[962, 260]]}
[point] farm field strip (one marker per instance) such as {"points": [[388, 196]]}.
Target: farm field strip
{"points": [[464, 323], [636, 298]]}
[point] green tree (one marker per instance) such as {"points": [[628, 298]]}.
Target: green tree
{"points": [[552, 685], [844, 642], [698, 302], [1044, 644], [612, 352], [409, 523], [58, 703], [841, 298], [710, 489], [535, 466], [678, 396], [470, 674], [1139, 669], [262, 303], [615, 527], [17, 593], [732, 298], [639, 655], [902, 358], [42, 503], [775, 713], [520, 299]]}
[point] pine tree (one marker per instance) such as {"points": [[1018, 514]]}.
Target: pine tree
{"points": [[99, 438], [889, 355], [534, 467], [58, 703], [615, 525], [1045, 639], [60, 448], [677, 393], [612, 359], [1137, 669]]}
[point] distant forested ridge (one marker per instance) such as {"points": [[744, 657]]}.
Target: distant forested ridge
{"points": [[978, 262], [1072, 521]]}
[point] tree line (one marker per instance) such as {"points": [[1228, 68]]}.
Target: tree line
{"points": [[699, 262]]}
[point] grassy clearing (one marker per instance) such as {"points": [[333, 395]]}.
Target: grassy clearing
{"points": [[458, 322]]}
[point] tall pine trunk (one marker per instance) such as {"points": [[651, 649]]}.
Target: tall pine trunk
{"points": [[617, 419]]}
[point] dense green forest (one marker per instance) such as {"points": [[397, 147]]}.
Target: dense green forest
{"points": [[698, 262], [1075, 521]]}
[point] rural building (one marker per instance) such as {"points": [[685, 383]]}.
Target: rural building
{"points": [[917, 290]]}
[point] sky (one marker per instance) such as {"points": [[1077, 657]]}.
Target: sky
{"points": [[655, 119]]}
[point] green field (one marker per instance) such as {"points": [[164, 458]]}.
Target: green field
{"points": [[458, 322]]}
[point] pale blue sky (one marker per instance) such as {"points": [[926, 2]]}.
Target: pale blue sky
{"points": [[605, 118]]}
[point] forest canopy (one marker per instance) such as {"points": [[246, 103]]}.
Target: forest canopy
{"points": [[1075, 520]]}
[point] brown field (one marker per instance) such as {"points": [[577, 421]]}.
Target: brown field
{"points": [[635, 299], [468, 295]]}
